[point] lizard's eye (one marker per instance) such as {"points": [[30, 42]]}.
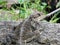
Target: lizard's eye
{"points": [[38, 14]]}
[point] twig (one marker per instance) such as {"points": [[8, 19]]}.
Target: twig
{"points": [[53, 12], [49, 14]]}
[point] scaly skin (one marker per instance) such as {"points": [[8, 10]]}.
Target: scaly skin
{"points": [[28, 32]]}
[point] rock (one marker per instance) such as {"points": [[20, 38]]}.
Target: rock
{"points": [[7, 34], [50, 33]]}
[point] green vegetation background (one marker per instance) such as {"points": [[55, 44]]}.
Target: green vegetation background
{"points": [[26, 8]]}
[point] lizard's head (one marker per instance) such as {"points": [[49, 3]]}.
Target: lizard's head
{"points": [[36, 14]]}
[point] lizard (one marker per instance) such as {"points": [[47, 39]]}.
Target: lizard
{"points": [[27, 31]]}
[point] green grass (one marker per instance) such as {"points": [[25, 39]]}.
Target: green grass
{"points": [[25, 9]]}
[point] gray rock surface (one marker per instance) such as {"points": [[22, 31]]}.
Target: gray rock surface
{"points": [[49, 34], [7, 34]]}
